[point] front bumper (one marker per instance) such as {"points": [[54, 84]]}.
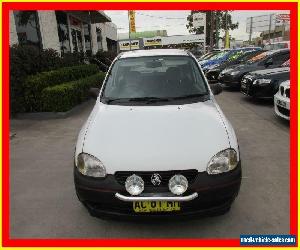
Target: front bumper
{"points": [[215, 193], [229, 80], [282, 106], [258, 91]]}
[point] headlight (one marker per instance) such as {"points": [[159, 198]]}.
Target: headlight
{"points": [[222, 162], [225, 71], [178, 184], [262, 81], [134, 184], [89, 165], [233, 73]]}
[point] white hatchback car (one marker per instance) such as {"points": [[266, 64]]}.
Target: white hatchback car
{"points": [[156, 142], [282, 100]]}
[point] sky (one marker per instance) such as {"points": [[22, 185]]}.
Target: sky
{"points": [[174, 21]]}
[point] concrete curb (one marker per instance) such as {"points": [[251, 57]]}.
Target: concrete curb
{"points": [[52, 115]]}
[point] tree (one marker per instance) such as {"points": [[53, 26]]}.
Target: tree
{"points": [[213, 18]]}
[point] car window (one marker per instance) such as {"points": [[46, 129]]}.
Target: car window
{"points": [[280, 46], [258, 57], [248, 55], [286, 64], [155, 76], [280, 58], [219, 55]]}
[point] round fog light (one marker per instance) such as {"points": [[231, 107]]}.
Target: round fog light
{"points": [[178, 184], [134, 184]]}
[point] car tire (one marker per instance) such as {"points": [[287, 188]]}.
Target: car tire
{"points": [[220, 212]]}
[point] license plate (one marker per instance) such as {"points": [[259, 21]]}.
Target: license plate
{"points": [[155, 206], [281, 103]]}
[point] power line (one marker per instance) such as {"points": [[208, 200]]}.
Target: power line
{"points": [[162, 17], [151, 16], [156, 26]]}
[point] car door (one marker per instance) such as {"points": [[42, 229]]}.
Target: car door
{"points": [[280, 58]]}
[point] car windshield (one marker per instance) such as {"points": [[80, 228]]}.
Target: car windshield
{"points": [[154, 77], [206, 56], [286, 64], [249, 54], [219, 55], [235, 55], [258, 57]]}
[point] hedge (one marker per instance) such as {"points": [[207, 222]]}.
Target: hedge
{"points": [[36, 83], [63, 97], [28, 60]]}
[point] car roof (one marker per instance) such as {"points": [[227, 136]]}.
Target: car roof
{"points": [[154, 52], [278, 51]]}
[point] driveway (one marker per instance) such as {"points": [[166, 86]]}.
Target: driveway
{"points": [[43, 203]]}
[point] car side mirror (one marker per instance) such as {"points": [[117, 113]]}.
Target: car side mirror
{"points": [[94, 92], [269, 62], [216, 88]]}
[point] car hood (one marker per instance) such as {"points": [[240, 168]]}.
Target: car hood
{"points": [[211, 63], [156, 138], [272, 71], [241, 68]]}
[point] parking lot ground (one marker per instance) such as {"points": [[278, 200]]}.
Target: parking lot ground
{"points": [[43, 203]]}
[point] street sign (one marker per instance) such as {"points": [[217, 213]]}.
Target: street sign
{"points": [[183, 39], [282, 19], [199, 20], [131, 14], [125, 45], [154, 41]]}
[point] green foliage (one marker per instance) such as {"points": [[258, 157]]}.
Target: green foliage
{"points": [[27, 60], [34, 84], [106, 54], [214, 18], [63, 97]]}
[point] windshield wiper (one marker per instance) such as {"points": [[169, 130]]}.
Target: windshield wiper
{"points": [[135, 99], [110, 100], [148, 99], [190, 96]]}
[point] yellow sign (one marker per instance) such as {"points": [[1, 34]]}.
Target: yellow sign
{"points": [[227, 40], [131, 14], [155, 41]]}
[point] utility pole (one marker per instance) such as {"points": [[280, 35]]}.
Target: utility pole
{"points": [[270, 24], [226, 31], [250, 34], [283, 29], [211, 30], [129, 32], [217, 30]]}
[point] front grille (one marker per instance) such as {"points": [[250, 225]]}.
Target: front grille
{"points": [[282, 90], [190, 174], [283, 111], [287, 93], [225, 78]]}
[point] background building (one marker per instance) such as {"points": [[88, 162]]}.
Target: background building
{"points": [[64, 31], [142, 34], [191, 42]]}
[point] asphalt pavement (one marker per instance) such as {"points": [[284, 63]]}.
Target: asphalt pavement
{"points": [[43, 203]]}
